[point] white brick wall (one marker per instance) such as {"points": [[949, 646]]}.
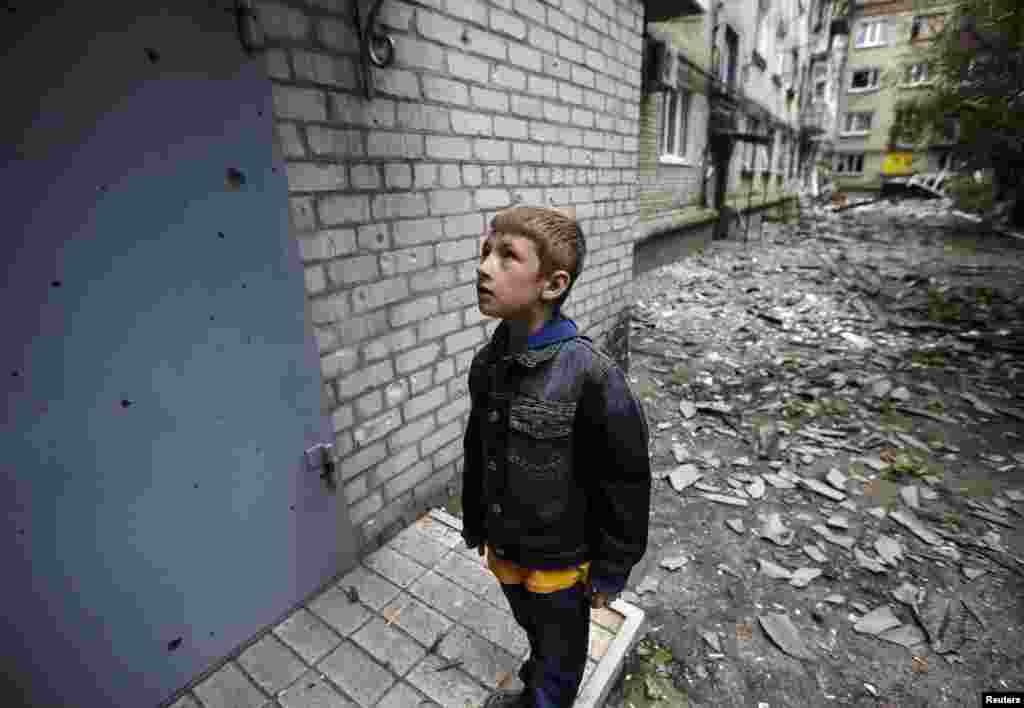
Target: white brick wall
{"points": [[489, 103]]}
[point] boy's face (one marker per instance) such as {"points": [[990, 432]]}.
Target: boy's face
{"points": [[509, 283]]}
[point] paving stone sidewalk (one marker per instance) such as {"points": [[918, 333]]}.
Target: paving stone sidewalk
{"points": [[366, 641]]}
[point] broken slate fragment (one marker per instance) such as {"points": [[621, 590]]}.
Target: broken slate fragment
{"points": [[838, 521], [687, 409], [900, 394], [909, 494], [878, 512], [802, 576], [705, 487], [877, 621], [724, 499], [774, 570], [1014, 495], [867, 562], [906, 635], [849, 505], [815, 554], [784, 634], [858, 342], [978, 403], [736, 525], [837, 479], [823, 489], [846, 542], [756, 488], [909, 594], [680, 452], [888, 549], [881, 388], [713, 406], [674, 563], [712, 639], [911, 523], [775, 531], [835, 599], [972, 573], [741, 461], [683, 476], [648, 584], [777, 481]]}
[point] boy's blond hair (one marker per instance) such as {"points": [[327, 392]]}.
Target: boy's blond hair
{"points": [[557, 237]]}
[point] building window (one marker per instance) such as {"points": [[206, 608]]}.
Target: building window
{"points": [[732, 50], [675, 119], [919, 73], [761, 35], [820, 81], [857, 123], [924, 27], [850, 164], [749, 148], [864, 79], [871, 34]]}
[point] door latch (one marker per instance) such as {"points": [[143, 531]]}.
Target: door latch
{"points": [[319, 458]]}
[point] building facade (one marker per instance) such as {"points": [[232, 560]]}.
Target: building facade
{"points": [[885, 72]]}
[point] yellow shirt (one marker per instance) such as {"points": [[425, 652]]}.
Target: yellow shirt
{"points": [[539, 581]]}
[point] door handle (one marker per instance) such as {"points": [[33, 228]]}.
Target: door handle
{"points": [[319, 459]]}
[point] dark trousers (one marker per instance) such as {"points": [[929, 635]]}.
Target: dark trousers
{"points": [[558, 627]]}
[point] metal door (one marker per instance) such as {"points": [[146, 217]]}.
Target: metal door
{"points": [[161, 377]]}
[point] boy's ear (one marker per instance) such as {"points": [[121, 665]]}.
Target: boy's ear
{"points": [[566, 211]]}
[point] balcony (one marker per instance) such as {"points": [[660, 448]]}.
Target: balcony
{"points": [[662, 10]]}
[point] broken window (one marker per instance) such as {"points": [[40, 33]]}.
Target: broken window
{"points": [[858, 122], [850, 163], [919, 73], [675, 122], [926, 26], [871, 34], [864, 79]]}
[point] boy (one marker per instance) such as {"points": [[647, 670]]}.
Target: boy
{"points": [[557, 480]]}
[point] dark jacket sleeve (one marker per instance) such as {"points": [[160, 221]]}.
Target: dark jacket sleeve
{"points": [[619, 469], [472, 479]]}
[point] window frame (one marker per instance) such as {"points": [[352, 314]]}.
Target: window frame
{"points": [[848, 131], [925, 21], [677, 104], [874, 71], [881, 38], [908, 81], [841, 159]]}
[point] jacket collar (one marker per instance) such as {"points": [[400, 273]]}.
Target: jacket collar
{"points": [[508, 340]]}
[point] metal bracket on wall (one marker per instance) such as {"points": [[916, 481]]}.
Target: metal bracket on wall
{"points": [[319, 458], [374, 46]]}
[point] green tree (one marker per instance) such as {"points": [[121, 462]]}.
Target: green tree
{"points": [[976, 64]]}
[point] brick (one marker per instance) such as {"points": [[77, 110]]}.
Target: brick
{"points": [[487, 99], [542, 39], [317, 68], [383, 144], [416, 116], [398, 175], [532, 9], [507, 23], [325, 141], [525, 57], [556, 154], [544, 132], [395, 392], [442, 436], [407, 260], [277, 64], [439, 28], [583, 76], [425, 175], [582, 117], [556, 112], [443, 90], [412, 432], [416, 359], [299, 103], [368, 405], [471, 123], [450, 201], [527, 106], [378, 294], [562, 23], [464, 359], [541, 86], [339, 36], [459, 297], [456, 408], [408, 479], [492, 150], [431, 400], [353, 270], [343, 208], [440, 326], [461, 340], [315, 177], [468, 67], [444, 370], [280, 22], [505, 127], [302, 213], [315, 279], [366, 176], [413, 311], [377, 428], [432, 280], [289, 140], [463, 225], [400, 205], [421, 55], [389, 344], [455, 251], [364, 379], [396, 82], [451, 175], [556, 67], [488, 44], [506, 76], [339, 362], [595, 60], [397, 15], [354, 110], [408, 233], [493, 198], [570, 50], [570, 136], [569, 93], [420, 381], [473, 12], [473, 175]]}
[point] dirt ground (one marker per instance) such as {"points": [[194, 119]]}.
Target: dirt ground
{"points": [[837, 439], [883, 344]]}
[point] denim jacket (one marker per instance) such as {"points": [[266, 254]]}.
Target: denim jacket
{"points": [[556, 469]]}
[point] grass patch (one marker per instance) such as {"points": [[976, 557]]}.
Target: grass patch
{"points": [[647, 682], [976, 488], [648, 391], [680, 375], [910, 462], [942, 310], [454, 505], [928, 357], [935, 440], [952, 520]]}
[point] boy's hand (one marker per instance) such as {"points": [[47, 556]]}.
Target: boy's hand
{"points": [[598, 599]]}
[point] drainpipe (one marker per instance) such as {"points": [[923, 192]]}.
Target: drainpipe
{"points": [[707, 123]]}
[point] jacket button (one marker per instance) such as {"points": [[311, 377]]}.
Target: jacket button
{"points": [[496, 508], [499, 551], [491, 466], [494, 416]]}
